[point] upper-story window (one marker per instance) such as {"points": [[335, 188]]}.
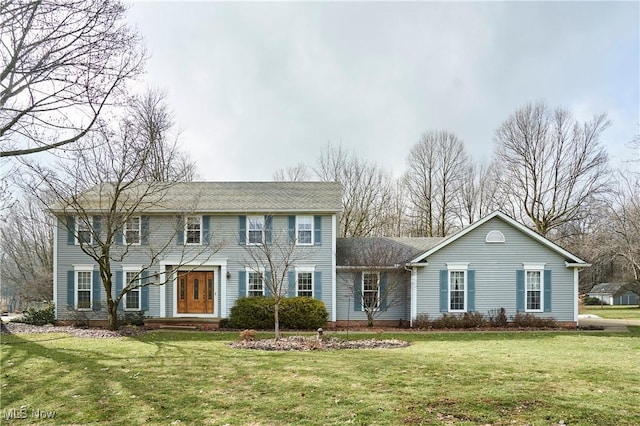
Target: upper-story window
{"points": [[193, 230], [84, 234], [132, 230], [255, 229], [304, 230]]}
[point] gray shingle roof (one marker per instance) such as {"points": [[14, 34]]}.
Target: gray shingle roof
{"points": [[606, 288], [232, 197], [381, 251]]}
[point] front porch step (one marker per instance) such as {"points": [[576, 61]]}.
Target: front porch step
{"points": [[173, 323]]}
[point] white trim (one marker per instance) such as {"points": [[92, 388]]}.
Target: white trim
{"points": [[124, 231], [214, 265], [76, 232], [334, 296], [461, 266], [414, 294], [297, 240], [533, 267], [250, 270], [224, 312], [576, 280], [514, 223], [186, 232], [163, 292], [463, 269], [76, 270], [55, 269], [309, 270], [262, 240], [125, 282], [378, 299]]}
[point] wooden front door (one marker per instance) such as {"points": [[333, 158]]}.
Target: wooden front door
{"points": [[195, 292]]}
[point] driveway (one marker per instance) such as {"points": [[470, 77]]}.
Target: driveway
{"points": [[608, 324]]}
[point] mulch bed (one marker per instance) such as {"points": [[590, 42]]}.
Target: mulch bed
{"points": [[300, 343], [20, 328]]}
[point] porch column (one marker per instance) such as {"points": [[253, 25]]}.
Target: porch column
{"points": [[414, 294]]}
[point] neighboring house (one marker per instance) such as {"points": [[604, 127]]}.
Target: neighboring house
{"points": [[206, 229], [614, 294]]}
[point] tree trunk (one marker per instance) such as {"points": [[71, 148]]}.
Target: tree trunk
{"points": [[112, 309], [276, 310], [369, 319]]}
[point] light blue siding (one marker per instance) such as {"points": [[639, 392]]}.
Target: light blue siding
{"points": [[495, 277]]}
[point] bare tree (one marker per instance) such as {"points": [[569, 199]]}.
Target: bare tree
{"points": [[299, 173], [150, 117], [366, 192], [98, 191], [26, 243], [379, 280], [550, 164], [437, 165], [63, 62], [270, 262], [477, 196]]}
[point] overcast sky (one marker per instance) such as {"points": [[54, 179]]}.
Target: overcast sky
{"points": [[260, 86]]}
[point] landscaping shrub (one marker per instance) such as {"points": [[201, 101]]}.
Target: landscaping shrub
{"points": [[498, 317], [35, 316], [252, 312], [531, 321], [594, 301], [131, 318], [422, 322], [300, 313]]}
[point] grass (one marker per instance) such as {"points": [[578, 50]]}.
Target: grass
{"points": [[442, 378], [613, 312]]}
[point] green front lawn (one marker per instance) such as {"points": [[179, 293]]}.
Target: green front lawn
{"points": [[612, 312], [442, 378]]}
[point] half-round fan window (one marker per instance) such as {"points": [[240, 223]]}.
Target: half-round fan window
{"points": [[495, 237]]}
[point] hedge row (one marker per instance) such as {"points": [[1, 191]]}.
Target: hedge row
{"points": [[296, 313]]}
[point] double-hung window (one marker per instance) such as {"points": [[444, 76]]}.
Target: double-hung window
{"points": [[255, 283], [370, 290], [132, 230], [132, 298], [534, 291], [84, 235], [457, 288], [193, 230], [255, 229], [304, 230], [304, 284], [83, 289]]}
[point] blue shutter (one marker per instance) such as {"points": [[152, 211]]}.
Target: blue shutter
{"points": [[471, 290], [71, 231], [357, 292], [317, 230], [268, 234], [242, 283], [71, 289], [119, 236], [96, 285], [180, 231], [444, 290], [520, 290], [547, 290], [382, 287], [97, 225], [291, 274], [206, 230], [144, 230], [242, 230], [292, 229], [266, 283], [119, 279], [317, 285], [144, 291]]}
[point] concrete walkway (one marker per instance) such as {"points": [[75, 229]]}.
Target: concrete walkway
{"points": [[607, 324]]}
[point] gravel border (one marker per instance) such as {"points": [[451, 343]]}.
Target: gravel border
{"points": [[300, 343], [20, 328]]}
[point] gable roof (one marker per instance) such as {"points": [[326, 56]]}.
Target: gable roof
{"points": [[371, 252], [229, 197], [572, 259], [607, 288]]}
